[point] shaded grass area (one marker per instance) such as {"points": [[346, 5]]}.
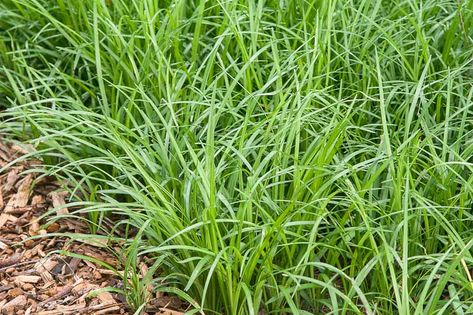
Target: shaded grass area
{"points": [[274, 156]]}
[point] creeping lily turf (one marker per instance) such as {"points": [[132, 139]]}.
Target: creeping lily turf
{"points": [[269, 157]]}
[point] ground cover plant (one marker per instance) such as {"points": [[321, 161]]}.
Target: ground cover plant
{"points": [[274, 157]]}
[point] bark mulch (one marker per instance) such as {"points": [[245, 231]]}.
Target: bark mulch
{"points": [[35, 277]]}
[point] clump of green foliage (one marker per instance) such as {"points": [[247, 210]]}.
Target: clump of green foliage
{"points": [[275, 156]]}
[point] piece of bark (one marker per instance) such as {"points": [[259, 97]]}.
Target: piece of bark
{"points": [[5, 288], [103, 309], [107, 310], [37, 201], [10, 261], [13, 293], [149, 287], [53, 227], [27, 286], [77, 226], [27, 279], [3, 245], [34, 227], [106, 298], [45, 265], [23, 194], [26, 150], [64, 291], [17, 210], [4, 218], [47, 277], [29, 310], [58, 202], [72, 266], [166, 311], [84, 288], [4, 152], [12, 178], [10, 204], [1, 200], [15, 303]]}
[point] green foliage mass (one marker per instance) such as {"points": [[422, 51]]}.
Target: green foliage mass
{"points": [[272, 156]]}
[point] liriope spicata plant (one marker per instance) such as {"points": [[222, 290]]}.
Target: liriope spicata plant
{"points": [[286, 157]]}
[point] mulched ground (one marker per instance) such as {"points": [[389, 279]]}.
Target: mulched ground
{"points": [[34, 277]]}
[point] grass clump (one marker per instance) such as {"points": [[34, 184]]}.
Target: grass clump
{"points": [[276, 156]]}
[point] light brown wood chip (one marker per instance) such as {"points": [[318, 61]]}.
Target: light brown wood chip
{"points": [[27, 279], [166, 311], [4, 218], [106, 298], [3, 245], [1, 200], [23, 194], [77, 309], [16, 302], [12, 178], [62, 292], [58, 202]]}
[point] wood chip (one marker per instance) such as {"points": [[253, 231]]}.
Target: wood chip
{"points": [[26, 150], [1, 200], [34, 226], [13, 293], [106, 298], [27, 279], [10, 261], [58, 202], [46, 264], [97, 309], [4, 152], [23, 194], [43, 267], [4, 218], [16, 302], [149, 287], [37, 200], [64, 291], [12, 178], [3, 245], [72, 266], [17, 210], [10, 204], [166, 311], [29, 310], [53, 227], [107, 310], [5, 288], [84, 288]]}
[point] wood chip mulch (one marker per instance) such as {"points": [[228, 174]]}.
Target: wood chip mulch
{"points": [[34, 277]]}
